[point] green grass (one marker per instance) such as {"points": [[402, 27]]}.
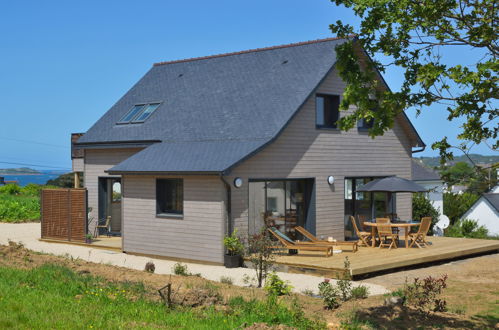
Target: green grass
{"points": [[53, 296], [19, 208]]}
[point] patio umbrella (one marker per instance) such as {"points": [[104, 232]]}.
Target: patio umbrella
{"points": [[392, 184]]}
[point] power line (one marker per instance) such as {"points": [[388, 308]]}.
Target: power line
{"points": [[37, 165], [34, 142]]}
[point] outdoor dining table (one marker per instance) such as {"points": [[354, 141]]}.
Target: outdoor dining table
{"points": [[398, 224]]}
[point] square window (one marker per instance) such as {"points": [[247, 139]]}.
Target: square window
{"points": [[169, 196], [327, 110]]}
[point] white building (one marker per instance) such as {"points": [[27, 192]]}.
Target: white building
{"points": [[486, 211], [430, 180]]}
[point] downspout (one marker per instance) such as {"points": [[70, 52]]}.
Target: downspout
{"points": [[228, 204], [420, 150]]}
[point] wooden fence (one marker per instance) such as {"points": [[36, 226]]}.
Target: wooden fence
{"points": [[64, 214]]}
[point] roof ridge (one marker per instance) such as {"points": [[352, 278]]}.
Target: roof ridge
{"points": [[251, 50]]}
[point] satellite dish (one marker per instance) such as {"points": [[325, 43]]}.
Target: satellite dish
{"points": [[443, 221]]}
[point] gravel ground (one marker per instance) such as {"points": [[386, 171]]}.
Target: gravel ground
{"points": [[29, 233]]}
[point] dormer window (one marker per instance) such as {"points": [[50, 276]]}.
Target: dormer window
{"points": [[139, 113], [327, 110]]}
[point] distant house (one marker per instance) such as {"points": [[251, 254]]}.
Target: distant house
{"points": [[486, 211], [431, 180], [202, 146]]}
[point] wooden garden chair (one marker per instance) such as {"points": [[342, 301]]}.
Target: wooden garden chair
{"points": [[314, 239], [104, 226], [386, 236], [289, 244], [419, 238], [364, 236]]}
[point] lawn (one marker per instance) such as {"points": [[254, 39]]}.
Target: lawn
{"points": [[54, 296]]}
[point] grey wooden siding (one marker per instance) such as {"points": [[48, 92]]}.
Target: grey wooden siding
{"points": [[197, 236], [96, 162], [78, 165], [302, 151]]}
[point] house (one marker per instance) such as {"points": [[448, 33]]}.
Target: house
{"points": [[486, 211], [199, 147], [431, 180]]}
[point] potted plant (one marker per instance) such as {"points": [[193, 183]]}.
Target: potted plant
{"points": [[233, 258], [88, 238]]}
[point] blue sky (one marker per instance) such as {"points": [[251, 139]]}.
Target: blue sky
{"points": [[65, 63]]}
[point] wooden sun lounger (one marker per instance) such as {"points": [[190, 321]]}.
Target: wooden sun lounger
{"points": [[291, 245], [353, 244]]}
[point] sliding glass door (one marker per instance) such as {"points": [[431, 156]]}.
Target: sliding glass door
{"points": [[363, 205], [283, 204]]}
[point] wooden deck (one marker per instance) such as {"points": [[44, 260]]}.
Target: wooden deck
{"points": [[102, 242], [368, 261]]}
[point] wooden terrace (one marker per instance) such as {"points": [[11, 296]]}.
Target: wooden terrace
{"points": [[368, 261]]}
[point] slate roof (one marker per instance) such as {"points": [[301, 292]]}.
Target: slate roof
{"points": [[493, 199], [421, 173], [223, 107]]}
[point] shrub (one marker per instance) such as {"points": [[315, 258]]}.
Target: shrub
{"points": [[260, 252], [345, 283], [330, 295], [226, 280], [423, 294], [32, 189], [456, 205], [422, 207], [360, 292], [180, 269], [274, 285], [18, 208], [467, 228], [233, 244], [10, 189], [150, 267]]}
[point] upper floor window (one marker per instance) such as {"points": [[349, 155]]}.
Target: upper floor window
{"points": [[327, 110], [139, 113], [365, 123]]}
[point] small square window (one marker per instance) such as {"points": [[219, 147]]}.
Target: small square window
{"points": [[327, 110], [170, 197], [365, 124]]}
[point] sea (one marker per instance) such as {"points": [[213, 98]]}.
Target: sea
{"points": [[25, 179]]}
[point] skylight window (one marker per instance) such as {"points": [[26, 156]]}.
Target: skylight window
{"points": [[139, 113], [146, 113]]}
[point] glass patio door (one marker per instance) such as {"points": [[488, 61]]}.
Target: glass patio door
{"points": [[279, 203]]}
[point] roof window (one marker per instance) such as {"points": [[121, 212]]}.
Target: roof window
{"points": [[139, 113]]}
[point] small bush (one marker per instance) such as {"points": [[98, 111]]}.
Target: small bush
{"points": [[360, 292], [422, 207], [423, 294], [150, 267], [233, 244], [308, 292], [467, 228], [10, 189], [226, 280], [330, 295], [274, 285], [345, 283], [180, 269]]}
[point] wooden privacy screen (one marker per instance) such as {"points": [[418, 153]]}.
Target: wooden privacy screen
{"points": [[64, 214]]}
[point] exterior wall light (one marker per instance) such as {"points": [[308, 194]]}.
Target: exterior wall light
{"points": [[238, 182], [330, 179]]}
